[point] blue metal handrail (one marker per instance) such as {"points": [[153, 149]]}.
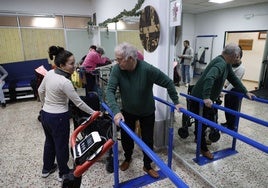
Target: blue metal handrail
{"points": [[245, 116], [245, 96], [171, 105], [166, 170], [223, 129], [226, 130], [171, 128]]}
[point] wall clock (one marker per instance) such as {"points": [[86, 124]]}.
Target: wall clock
{"points": [[149, 29]]}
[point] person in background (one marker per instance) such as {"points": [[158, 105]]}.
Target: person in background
{"points": [[55, 91], [232, 101], [104, 60], [3, 75], [80, 69], [135, 79], [91, 48], [186, 61], [210, 84], [92, 60]]}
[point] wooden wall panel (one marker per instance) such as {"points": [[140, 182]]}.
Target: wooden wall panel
{"points": [[37, 41], [10, 45]]}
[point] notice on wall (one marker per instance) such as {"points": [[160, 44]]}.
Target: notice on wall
{"points": [[246, 44], [175, 13]]}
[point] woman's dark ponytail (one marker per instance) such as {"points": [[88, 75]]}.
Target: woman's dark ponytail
{"points": [[61, 55]]}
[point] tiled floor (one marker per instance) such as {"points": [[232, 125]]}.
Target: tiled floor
{"points": [[247, 168], [22, 140]]}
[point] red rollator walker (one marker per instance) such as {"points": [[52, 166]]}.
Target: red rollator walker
{"points": [[85, 152]]}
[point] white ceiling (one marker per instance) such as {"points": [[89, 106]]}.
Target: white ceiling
{"points": [[201, 6]]}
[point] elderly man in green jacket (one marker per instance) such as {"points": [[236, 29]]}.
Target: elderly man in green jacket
{"points": [[135, 79], [210, 84]]}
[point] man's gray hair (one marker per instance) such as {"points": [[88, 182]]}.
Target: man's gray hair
{"points": [[100, 50], [231, 49], [126, 50]]}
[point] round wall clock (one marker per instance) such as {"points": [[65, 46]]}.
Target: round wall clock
{"points": [[149, 29]]}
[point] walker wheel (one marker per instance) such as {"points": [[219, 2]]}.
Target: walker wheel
{"points": [[183, 132]]}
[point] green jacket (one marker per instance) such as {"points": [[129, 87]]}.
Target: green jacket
{"points": [[136, 88], [211, 82]]}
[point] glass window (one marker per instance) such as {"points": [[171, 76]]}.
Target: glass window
{"points": [[40, 21], [72, 22], [8, 21]]}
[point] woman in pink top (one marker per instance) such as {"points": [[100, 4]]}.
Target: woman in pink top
{"points": [[92, 59]]}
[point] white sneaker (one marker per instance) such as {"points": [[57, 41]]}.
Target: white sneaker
{"points": [[46, 173], [60, 178]]}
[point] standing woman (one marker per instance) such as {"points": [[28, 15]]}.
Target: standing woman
{"points": [[55, 91]]}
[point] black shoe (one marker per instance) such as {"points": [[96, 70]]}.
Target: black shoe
{"points": [[46, 173], [177, 84], [39, 118], [224, 124], [228, 126], [110, 164], [3, 104]]}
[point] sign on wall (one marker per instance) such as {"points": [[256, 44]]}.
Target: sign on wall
{"points": [[246, 44], [175, 13]]}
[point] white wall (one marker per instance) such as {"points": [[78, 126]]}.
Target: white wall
{"points": [[252, 59], [110, 8], [234, 19], [60, 7], [188, 32], [211, 23], [217, 22]]}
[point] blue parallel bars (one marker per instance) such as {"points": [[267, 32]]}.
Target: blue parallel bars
{"points": [[166, 170], [170, 129], [223, 129], [250, 118], [240, 97], [243, 95]]}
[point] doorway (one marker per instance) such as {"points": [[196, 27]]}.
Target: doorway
{"points": [[253, 45]]}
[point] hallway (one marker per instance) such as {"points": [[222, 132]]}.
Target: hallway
{"points": [[22, 140]]}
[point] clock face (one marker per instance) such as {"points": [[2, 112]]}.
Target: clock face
{"points": [[149, 29]]}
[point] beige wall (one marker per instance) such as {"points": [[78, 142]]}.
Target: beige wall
{"points": [[252, 59], [132, 37]]}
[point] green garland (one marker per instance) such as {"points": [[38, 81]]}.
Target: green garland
{"points": [[132, 12]]}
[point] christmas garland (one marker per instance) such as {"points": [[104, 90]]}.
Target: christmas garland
{"points": [[132, 12]]}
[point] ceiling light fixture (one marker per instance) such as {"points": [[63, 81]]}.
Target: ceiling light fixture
{"points": [[44, 22], [219, 1], [9, 13]]}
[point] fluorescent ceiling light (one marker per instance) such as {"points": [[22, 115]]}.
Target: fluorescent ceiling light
{"points": [[44, 22], [219, 1]]}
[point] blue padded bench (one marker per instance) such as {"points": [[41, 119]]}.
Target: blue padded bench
{"points": [[20, 76]]}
